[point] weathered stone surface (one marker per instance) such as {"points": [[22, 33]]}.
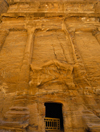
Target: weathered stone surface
{"points": [[49, 53], [3, 6]]}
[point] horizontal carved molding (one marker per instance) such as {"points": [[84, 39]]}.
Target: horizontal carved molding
{"points": [[47, 14], [51, 8], [63, 1]]}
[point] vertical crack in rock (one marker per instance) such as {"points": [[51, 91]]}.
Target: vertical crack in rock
{"points": [[54, 51]]}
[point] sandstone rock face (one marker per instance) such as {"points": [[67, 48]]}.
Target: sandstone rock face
{"points": [[50, 66], [3, 6]]}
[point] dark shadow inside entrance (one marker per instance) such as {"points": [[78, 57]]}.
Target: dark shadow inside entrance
{"points": [[54, 110]]}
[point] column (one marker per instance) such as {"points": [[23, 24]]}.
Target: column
{"points": [[71, 38], [25, 68], [28, 48]]}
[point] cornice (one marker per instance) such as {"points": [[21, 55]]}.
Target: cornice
{"points": [[51, 8], [61, 1]]}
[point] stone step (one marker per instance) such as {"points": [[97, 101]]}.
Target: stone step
{"points": [[17, 113], [14, 125], [16, 108], [15, 118]]}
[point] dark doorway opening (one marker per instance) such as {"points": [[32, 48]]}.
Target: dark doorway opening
{"points": [[54, 110]]}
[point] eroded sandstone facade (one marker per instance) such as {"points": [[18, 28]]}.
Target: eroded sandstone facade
{"points": [[50, 52]]}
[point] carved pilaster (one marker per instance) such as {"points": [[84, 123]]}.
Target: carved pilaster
{"points": [[24, 75], [71, 41], [79, 68], [29, 45], [3, 35], [96, 33], [77, 56], [76, 52]]}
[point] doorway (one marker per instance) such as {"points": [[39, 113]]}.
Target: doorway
{"points": [[54, 110]]}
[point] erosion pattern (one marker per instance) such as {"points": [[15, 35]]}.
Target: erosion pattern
{"points": [[3, 6], [49, 52]]}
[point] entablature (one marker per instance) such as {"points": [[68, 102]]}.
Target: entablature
{"points": [[70, 1], [49, 8]]}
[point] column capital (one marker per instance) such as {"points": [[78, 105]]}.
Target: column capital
{"points": [[71, 30], [30, 30]]}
